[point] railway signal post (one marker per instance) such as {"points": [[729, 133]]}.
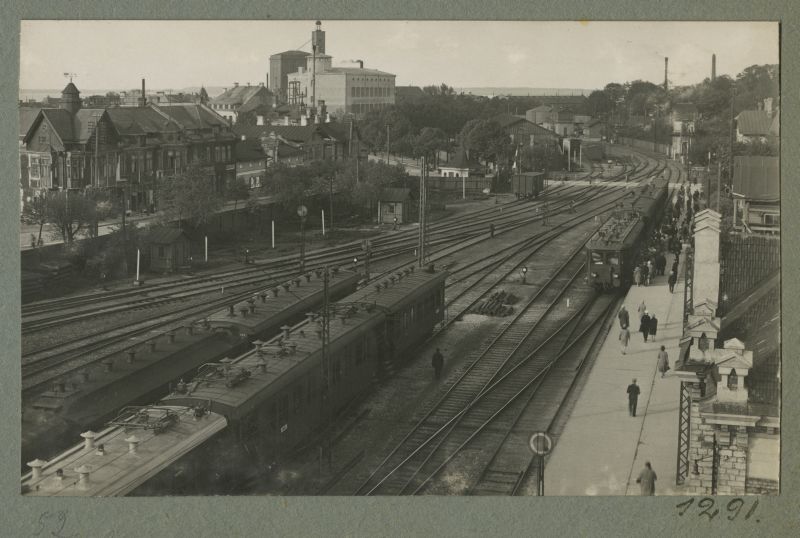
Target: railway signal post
{"points": [[541, 444], [302, 212]]}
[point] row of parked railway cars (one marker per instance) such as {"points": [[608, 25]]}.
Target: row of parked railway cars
{"points": [[142, 372], [528, 184], [236, 418], [614, 250]]}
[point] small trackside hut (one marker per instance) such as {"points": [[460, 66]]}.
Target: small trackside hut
{"points": [[394, 204], [169, 249]]}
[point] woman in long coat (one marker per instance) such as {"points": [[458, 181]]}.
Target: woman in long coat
{"points": [[647, 480], [637, 275], [624, 338], [663, 361], [644, 325], [653, 326]]}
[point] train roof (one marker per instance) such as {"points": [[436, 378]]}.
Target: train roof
{"points": [[254, 314], [118, 470], [622, 229], [282, 354]]}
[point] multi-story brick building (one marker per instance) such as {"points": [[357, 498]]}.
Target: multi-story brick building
{"points": [[122, 149]]}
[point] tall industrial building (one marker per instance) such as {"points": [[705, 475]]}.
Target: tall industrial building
{"points": [[344, 90], [280, 65]]}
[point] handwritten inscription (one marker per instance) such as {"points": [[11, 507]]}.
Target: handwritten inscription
{"points": [[706, 508], [52, 524]]}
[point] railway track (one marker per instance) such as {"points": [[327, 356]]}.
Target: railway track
{"points": [[36, 365]]}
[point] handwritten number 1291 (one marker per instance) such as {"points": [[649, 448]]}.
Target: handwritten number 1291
{"points": [[706, 504]]}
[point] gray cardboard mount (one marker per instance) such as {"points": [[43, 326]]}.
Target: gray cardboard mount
{"points": [[431, 516]]}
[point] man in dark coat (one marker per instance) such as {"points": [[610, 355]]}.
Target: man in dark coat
{"points": [[644, 325], [624, 318], [653, 327], [672, 280], [647, 480], [437, 362], [633, 397]]}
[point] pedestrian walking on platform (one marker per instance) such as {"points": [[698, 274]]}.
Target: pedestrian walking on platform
{"points": [[647, 480], [663, 361], [491, 229], [624, 318], [637, 275], [642, 309], [624, 338], [633, 397], [644, 325], [653, 327], [672, 280], [650, 272], [437, 362]]}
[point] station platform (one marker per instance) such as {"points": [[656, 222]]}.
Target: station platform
{"points": [[602, 449]]}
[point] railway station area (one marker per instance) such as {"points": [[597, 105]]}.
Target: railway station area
{"points": [[577, 336]]}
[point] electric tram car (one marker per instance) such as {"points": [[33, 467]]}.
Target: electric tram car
{"points": [[613, 251], [274, 397]]}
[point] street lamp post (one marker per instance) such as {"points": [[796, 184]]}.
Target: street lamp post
{"points": [[302, 212]]}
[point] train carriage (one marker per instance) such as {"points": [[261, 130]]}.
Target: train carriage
{"points": [[527, 184], [613, 251], [274, 397]]}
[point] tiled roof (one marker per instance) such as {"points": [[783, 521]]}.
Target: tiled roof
{"points": [[508, 119], [164, 235], [395, 195], [192, 116], [753, 122], [684, 111], [61, 120], [459, 160], [249, 150], [140, 121], [756, 178], [70, 88], [27, 115], [294, 133], [541, 108], [239, 95], [81, 131]]}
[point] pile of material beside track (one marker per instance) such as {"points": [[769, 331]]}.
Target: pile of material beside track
{"points": [[497, 305]]}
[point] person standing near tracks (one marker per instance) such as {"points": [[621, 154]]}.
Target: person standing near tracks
{"points": [[637, 275], [644, 325], [672, 280], [437, 362], [394, 224], [633, 398], [491, 229]]}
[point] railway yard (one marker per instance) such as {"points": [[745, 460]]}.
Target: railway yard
{"points": [[519, 328]]}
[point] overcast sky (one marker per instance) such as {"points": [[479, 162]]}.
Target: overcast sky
{"points": [[177, 54]]}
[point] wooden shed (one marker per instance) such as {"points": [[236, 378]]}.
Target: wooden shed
{"points": [[169, 249], [394, 203]]}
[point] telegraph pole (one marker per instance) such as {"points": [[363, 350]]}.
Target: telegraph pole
{"points": [[730, 165], [387, 142], [423, 202]]}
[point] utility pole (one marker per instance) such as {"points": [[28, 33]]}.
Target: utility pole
{"points": [[331, 202], [730, 164], [422, 210], [387, 142]]}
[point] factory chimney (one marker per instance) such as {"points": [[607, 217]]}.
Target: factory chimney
{"points": [[143, 98], [713, 67], [666, 67]]}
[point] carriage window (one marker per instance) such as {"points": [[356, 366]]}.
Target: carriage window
{"points": [[597, 257], [613, 260], [413, 312]]}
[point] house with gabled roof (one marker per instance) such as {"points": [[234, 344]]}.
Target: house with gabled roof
{"points": [[239, 99], [756, 193]]}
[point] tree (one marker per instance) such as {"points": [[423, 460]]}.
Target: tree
{"points": [[430, 141], [237, 189], [35, 212], [599, 103], [191, 196], [72, 213], [485, 139]]}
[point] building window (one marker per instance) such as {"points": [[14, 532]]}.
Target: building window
{"points": [[43, 140], [35, 172]]}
